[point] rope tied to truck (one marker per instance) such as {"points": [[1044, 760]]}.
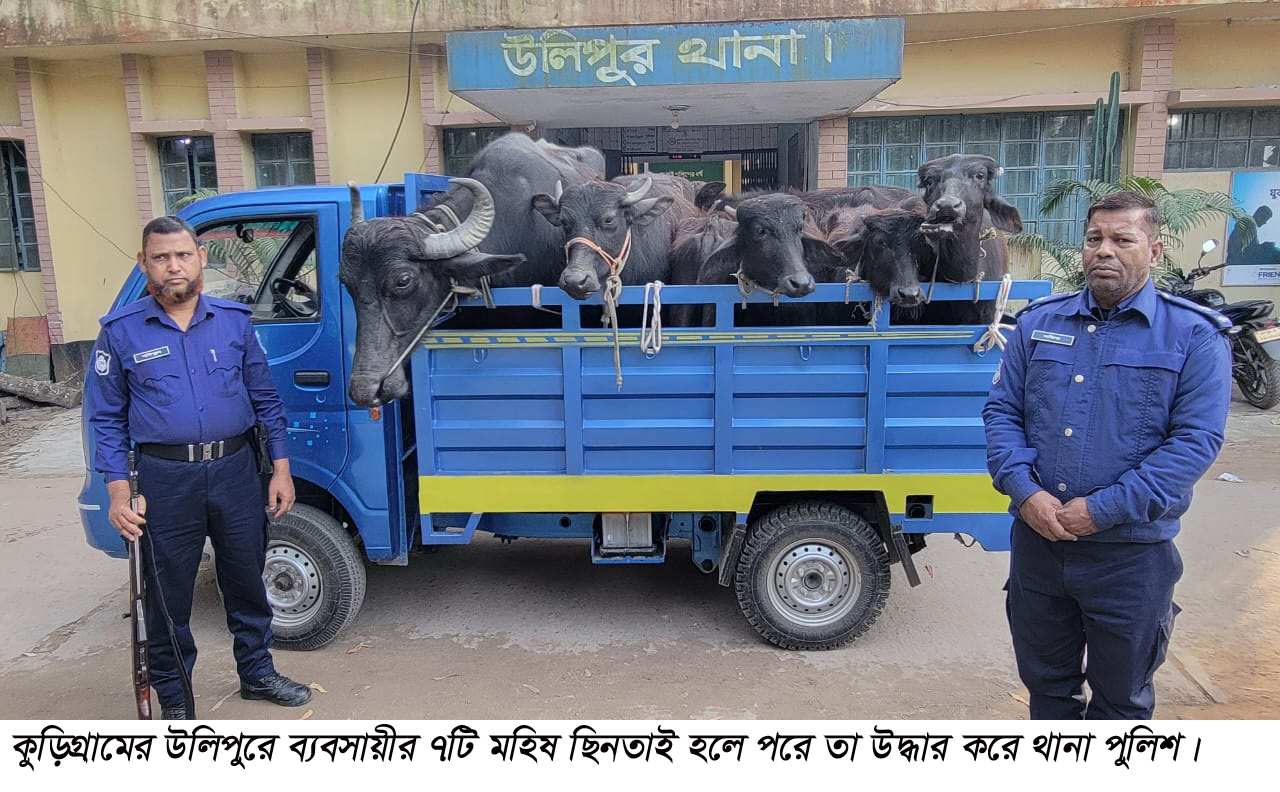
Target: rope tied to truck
{"points": [[746, 286], [651, 332], [611, 291], [993, 336]]}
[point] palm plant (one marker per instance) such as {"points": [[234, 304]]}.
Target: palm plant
{"points": [[1181, 211]]}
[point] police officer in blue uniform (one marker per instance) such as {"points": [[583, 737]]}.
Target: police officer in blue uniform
{"points": [[1108, 405], [182, 377]]}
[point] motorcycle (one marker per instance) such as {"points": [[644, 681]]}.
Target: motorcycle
{"points": [[1254, 333]]}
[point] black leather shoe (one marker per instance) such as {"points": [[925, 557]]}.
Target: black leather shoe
{"points": [[174, 713], [278, 689]]}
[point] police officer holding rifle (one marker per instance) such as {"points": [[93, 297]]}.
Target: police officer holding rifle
{"points": [[182, 377]]}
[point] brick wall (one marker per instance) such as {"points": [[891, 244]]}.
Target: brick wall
{"points": [[1157, 77], [833, 152], [138, 143], [219, 71], [31, 146], [319, 128]]}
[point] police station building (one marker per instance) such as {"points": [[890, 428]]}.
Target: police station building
{"points": [[113, 110]]}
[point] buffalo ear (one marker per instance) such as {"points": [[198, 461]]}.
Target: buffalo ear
{"points": [[721, 264], [546, 206], [708, 194], [473, 265], [1004, 215], [646, 211]]}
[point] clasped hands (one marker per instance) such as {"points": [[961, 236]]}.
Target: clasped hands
{"points": [[1056, 521]]}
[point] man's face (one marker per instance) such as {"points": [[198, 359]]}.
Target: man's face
{"points": [[174, 266], [1119, 251]]}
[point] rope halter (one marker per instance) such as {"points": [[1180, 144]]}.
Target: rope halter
{"points": [[612, 288]]}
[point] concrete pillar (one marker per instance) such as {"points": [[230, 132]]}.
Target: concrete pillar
{"points": [[1153, 119], [219, 72], [319, 125], [833, 152], [430, 58], [31, 147]]}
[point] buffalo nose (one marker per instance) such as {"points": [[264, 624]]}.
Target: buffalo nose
{"points": [[948, 205], [574, 280], [908, 295], [798, 285]]}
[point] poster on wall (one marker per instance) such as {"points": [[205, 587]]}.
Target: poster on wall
{"points": [[1256, 263]]}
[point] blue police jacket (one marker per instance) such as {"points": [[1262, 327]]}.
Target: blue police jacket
{"points": [[1126, 412], [153, 383]]}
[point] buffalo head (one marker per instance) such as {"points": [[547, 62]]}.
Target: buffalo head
{"points": [[603, 213], [877, 244], [957, 188], [771, 247], [399, 272]]}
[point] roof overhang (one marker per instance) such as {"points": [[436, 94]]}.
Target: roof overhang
{"points": [[631, 76]]}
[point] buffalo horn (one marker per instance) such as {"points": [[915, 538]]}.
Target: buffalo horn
{"points": [[555, 197], [357, 206], [472, 231], [730, 211], [639, 191]]}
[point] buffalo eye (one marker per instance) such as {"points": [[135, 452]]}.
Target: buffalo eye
{"points": [[403, 283], [761, 232], [608, 221], [980, 175]]}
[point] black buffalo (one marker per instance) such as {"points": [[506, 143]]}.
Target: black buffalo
{"points": [[398, 271], [959, 241], [877, 246], [597, 218]]}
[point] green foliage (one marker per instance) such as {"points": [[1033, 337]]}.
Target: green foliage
{"points": [[1181, 211]]}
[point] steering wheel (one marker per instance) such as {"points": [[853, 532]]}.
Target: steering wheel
{"points": [[303, 307]]}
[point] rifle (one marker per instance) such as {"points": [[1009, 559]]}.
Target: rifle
{"points": [[137, 612]]}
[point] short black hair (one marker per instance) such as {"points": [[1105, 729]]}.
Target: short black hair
{"points": [[1123, 200], [167, 224]]}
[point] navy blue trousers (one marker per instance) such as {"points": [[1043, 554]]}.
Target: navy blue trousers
{"points": [[187, 501], [1081, 611]]}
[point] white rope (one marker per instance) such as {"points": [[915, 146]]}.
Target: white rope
{"points": [[746, 286], [993, 336], [651, 333]]}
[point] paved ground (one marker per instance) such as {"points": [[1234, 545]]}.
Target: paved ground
{"points": [[533, 630]]}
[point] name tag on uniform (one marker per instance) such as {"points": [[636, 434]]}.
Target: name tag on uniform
{"points": [[151, 354], [1052, 338]]}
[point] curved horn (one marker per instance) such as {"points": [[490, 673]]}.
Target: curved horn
{"points": [[357, 205], [731, 212], [472, 231], [639, 191], [555, 197]]}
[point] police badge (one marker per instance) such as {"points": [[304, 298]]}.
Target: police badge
{"points": [[101, 363]]}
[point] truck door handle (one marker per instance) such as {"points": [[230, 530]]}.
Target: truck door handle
{"points": [[312, 378]]}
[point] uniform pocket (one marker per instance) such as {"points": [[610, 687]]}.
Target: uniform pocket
{"points": [[1164, 632], [1141, 385], [159, 381], [223, 366]]}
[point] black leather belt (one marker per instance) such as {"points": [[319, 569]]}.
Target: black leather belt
{"points": [[195, 452]]}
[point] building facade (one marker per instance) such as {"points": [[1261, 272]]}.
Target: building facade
{"points": [[111, 111]]}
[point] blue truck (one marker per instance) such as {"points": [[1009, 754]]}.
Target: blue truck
{"points": [[797, 464]]}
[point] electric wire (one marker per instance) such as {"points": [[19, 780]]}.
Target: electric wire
{"points": [[408, 91]]}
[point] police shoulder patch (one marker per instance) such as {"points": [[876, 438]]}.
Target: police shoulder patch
{"points": [[1043, 301], [101, 363], [1208, 314]]}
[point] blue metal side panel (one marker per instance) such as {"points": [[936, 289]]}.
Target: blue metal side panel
{"points": [[935, 394]]}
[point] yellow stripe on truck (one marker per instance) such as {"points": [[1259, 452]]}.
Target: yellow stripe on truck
{"points": [[953, 493]]}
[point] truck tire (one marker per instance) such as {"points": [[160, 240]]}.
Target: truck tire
{"points": [[1259, 376], [812, 576], [314, 576]]}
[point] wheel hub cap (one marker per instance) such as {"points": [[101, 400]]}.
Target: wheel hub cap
{"points": [[292, 583], [814, 583]]}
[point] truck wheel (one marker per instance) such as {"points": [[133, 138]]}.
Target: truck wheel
{"points": [[1258, 375], [314, 576], [812, 576]]}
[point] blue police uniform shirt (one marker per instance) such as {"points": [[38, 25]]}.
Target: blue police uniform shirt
{"points": [[153, 383], [1127, 412]]}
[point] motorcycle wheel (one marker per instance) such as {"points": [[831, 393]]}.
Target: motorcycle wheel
{"points": [[1257, 374]]}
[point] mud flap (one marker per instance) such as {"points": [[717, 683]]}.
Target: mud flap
{"points": [[729, 552], [904, 554]]}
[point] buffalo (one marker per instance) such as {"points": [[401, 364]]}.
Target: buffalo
{"points": [[960, 242]]}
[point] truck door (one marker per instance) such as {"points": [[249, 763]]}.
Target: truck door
{"points": [[268, 258]]}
